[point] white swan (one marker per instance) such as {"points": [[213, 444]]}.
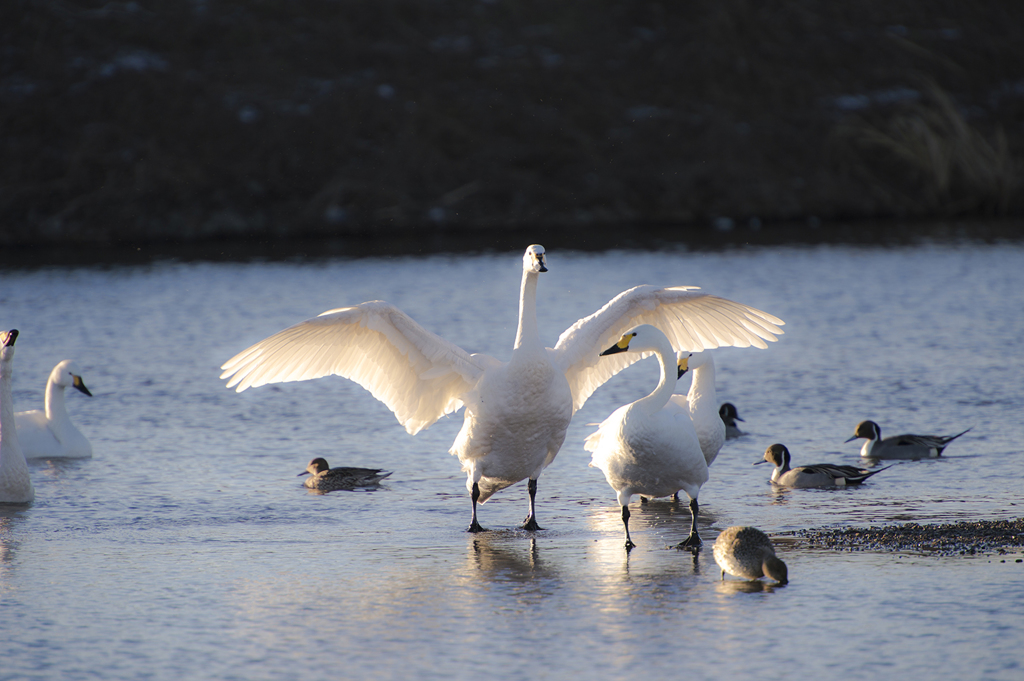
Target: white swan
{"points": [[49, 433], [701, 402], [517, 412], [650, 446], [15, 483]]}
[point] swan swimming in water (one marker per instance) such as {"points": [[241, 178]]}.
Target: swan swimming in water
{"points": [[50, 433], [650, 446], [517, 412], [15, 483], [325, 479]]}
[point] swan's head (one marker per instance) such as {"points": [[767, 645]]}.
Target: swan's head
{"points": [[699, 359], [777, 455], [7, 339], [68, 375], [533, 259], [866, 429], [317, 465], [639, 339]]}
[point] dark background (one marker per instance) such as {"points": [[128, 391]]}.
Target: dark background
{"points": [[186, 121]]}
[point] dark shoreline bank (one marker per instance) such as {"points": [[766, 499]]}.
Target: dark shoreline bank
{"points": [[966, 538]]}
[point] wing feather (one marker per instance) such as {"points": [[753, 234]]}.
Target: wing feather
{"points": [[417, 374], [691, 319]]}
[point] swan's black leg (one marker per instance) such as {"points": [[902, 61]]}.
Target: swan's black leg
{"points": [[531, 520], [474, 526], [692, 542], [625, 523]]}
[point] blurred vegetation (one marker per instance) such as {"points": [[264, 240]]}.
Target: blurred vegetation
{"points": [[187, 120]]}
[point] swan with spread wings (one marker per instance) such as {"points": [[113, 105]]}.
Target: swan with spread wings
{"points": [[517, 412]]}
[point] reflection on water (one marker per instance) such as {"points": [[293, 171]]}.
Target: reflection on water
{"points": [[186, 548]]}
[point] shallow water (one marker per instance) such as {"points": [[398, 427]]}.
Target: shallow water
{"points": [[186, 547]]}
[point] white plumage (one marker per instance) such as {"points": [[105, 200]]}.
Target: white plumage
{"points": [[701, 402], [517, 412], [650, 446], [15, 482], [49, 433]]}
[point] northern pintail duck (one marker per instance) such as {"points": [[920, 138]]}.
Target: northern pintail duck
{"points": [[748, 552], [15, 482], [815, 475], [727, 412], [49, 433], [650, 446], [899, 446], [325, 479]]}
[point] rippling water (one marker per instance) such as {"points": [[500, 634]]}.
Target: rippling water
{"points": [[186, 547]]}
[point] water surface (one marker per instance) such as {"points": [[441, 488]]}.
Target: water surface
{"points": [[186, 547]]}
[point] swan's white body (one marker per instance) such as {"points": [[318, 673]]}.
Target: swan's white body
{"points": [[650, 446], [701, 402], [49, 433], [15, 483], [517, 412]]}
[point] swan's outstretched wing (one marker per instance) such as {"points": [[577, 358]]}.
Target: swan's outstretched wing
{"points": [[417, 374], [692, 320]]}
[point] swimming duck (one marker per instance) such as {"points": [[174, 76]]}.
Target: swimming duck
{"points": [[815, 475], [325, 479], [650, 446], [899, 446], [701, 403], [49, 433], [748, 552], [729, 417], [15, 482], [421, 377]]}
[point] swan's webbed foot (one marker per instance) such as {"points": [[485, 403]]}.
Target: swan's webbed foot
{"points": [[530, 524], [629, 545], [643, 500], [475, 527], [691, 543]]}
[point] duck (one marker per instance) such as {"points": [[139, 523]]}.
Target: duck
{"points": [[815, 475], [15, 481], [700, 402], [727, 412], [650, 446], [913, 447], [49, 433], [747, 552], [517, 412], [325, 479]]}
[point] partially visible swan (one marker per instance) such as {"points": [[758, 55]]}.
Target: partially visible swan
{"points": [[517, 412], [702, 404], [727, 412], [899, 446], [325, 479], [15, 483], [650, 446], [748, 552], [49, 434], [815, 475]]}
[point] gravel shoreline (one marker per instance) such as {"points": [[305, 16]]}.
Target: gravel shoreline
{"points": [[951, 539]]}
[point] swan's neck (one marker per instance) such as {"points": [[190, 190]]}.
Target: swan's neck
{"points": [[527, 336], [10, 452], [54, 402], [702, 389], [657, 400]]}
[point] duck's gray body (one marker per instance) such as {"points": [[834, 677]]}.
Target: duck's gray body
{"points": [[814, 475], [906, 446], [325, 479], [748, 552]]}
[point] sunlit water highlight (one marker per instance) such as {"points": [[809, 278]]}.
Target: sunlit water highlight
{"points": [[186, 548]]}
